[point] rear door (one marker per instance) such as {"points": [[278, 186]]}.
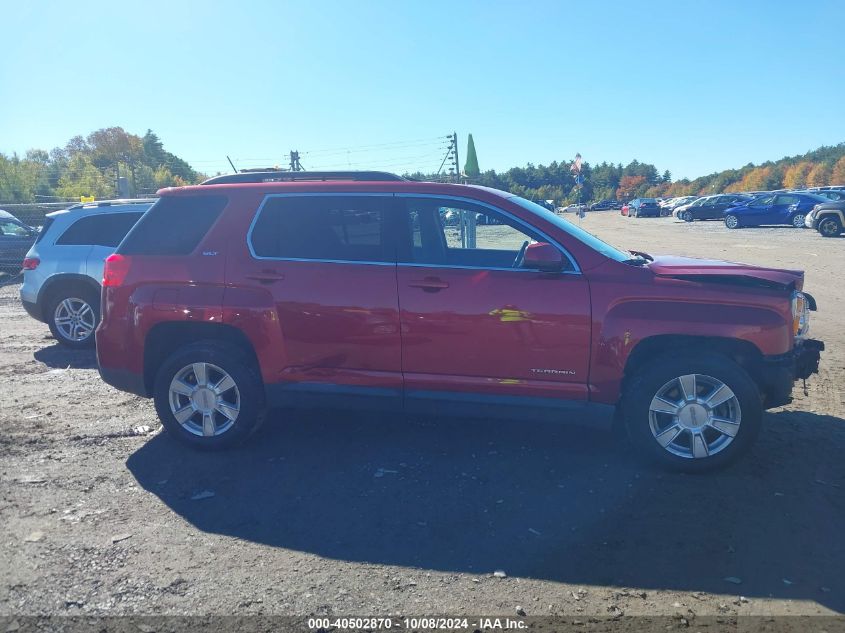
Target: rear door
{"points": [[328, 263], [474, 321]]}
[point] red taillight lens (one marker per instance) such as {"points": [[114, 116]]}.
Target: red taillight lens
{"points": [[114, 272], [31, 263]]}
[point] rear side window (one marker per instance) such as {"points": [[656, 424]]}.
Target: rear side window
{"points": [[44, 228], [323, 228], [174, 225], [106, 229]]}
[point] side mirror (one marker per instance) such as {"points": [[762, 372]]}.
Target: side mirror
{"points": [[543, 256]]}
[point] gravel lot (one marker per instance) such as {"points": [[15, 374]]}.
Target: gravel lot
{"points": [[334, 514]]}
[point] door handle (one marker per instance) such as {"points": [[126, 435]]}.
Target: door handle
{"points": [[266, 276], [429, 284]]}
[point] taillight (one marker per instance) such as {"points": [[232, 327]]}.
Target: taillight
{"points": [[31, 263], [114, 272]]}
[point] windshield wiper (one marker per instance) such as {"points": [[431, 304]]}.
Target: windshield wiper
{"points": [[635, 261], [641, 255]]}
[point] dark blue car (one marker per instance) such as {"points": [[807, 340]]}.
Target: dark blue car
{"points": [[772, 209]]}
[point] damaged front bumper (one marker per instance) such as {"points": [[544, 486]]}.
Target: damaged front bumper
{"points": [[779, 373]]}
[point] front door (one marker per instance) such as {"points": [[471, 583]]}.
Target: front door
{"points": [[329, 264], [474, 321]]}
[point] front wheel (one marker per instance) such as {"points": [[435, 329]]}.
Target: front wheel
{"points": [[694, 413], [209, 396], [798, 220], [829, 227], [732, 221], [686, 216]]}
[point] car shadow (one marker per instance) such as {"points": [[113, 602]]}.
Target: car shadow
{"points": [[543, 502], [61, 357]]}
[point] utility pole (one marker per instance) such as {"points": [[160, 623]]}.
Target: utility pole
{"points": [[295, 165], [457, 162]]}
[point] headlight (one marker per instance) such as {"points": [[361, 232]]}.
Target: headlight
{"points": [[800, 315]]}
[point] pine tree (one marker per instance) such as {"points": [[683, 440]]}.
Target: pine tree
{"points": [[471, 166]]}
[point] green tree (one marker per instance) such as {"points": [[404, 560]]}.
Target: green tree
{"points": [[471, 166]]}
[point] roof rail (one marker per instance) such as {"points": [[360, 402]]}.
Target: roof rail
{"points": [[108, 203], [274, 175]]}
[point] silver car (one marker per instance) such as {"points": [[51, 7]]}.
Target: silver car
{"points": [[64, 267]]}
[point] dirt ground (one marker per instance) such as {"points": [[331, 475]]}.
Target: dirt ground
{"points": [[334, 514]]}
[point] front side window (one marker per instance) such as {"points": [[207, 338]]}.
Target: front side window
{"points": [[446, 232], [787, 199], [338, 228], [107, 229], [764, 201]]}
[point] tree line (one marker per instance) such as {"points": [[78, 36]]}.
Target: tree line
{"points": [[90, 166], [820, 167]]}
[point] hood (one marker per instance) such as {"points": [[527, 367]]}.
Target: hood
{"points": [[716, 271]]}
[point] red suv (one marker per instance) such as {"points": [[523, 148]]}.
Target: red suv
{"points": [[260, 290]]}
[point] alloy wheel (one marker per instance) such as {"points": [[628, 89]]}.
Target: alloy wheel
{"points": [[829, 227], [694, 416], [75, 319], [204, 399], [732, 221], [798, 221]]}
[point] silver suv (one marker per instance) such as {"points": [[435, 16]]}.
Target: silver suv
{"points": [[64, 268]]}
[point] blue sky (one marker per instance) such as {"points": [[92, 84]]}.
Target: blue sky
{"points": [[692, 87]]}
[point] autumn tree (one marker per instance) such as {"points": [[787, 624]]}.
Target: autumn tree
{"points": [[837, 174], [629, 187], [795, 176], [819, 175]]}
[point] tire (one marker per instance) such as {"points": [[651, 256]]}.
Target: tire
{"points": [[798, 220], [687, 216], [235, 411], [72, 313], [829, 226], [732, 221], [687, 441]]}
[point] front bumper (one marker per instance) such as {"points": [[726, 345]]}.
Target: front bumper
{"points": [[810, 221], [779, 373]]}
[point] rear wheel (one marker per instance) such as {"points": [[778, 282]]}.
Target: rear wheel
{"points": [[73, 314], [798, 220], [693, 413], [732, 221], [209, 396], [830, 226]]}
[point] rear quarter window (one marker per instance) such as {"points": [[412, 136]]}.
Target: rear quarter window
{"points": [[175, 225]]}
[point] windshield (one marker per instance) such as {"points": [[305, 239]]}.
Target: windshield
{"points": [[575, 231]]}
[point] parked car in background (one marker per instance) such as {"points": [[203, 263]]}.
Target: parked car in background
{"points": [[623, 210], [603, 205], [828, 218], [15, 240], [773, 209], [239, 294], [712, 207], [830, 194], [64, 267], [679, 209], [643, 208]]}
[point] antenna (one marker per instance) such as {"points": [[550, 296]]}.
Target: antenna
{"points": [[234, 169]]}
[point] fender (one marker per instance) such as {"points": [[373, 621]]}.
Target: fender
{"points": [[59, 279], [626, 325]]}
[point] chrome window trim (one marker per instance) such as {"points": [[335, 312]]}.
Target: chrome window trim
{"points": [[576, 270]]}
